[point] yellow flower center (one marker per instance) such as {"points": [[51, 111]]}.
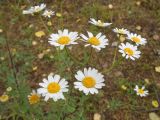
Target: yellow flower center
{"points": [[53, 87], [129, 51], [34, 99], [89, 82], [141, 91], [94, 41], [136, 39], [63, 40], [100, 23]]}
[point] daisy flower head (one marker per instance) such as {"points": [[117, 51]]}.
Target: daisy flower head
{"points": [[129, 51], [63, 38], [38, 8], [48, 13], [121, 31], [89, 81], [53, 87], [99, 41], [141, 91], [137, 39], [35, 9], [34, 97], [99, 23]]}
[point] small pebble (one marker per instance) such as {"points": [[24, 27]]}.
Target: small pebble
{"points": [[9, 89], [34, 68], [122, 38], [44, 75], [156, 37], [51, 56], [1, 30], [49, 23], [138, 3], [157, 69], [34, 43], [58, 14], [2, 58], [147, 81], [41, 55], [110, 6], [97, 116], [138, 27], [48, 50], [124, 87]]}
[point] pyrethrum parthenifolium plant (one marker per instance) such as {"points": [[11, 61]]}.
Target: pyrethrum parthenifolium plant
{"points": [[63, 95]]}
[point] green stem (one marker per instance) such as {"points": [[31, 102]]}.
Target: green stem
{"points": [[61, 9], [113, 63], [44, 24], [90, 55], [71, 56], [12, 64]]}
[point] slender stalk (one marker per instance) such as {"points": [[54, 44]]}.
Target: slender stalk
{"points": [[61, 9], [12, 64], [156, 92], [90, 55], [71, 56], [44, 24], [113, 63]]}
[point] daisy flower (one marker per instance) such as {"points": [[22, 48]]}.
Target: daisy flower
{"points": [[99, 41], [63, 38], [53, 88], [140, 91], [34, 97], [137, 39], [99, 23], [89, 81], [121, 31], [48, 13], [35, 9], [129, 51], [38, 8]]}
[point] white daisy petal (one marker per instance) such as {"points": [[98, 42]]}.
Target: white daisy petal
{"points": [[79, 75], [90, 34], [84, 37], [56, 78]]}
